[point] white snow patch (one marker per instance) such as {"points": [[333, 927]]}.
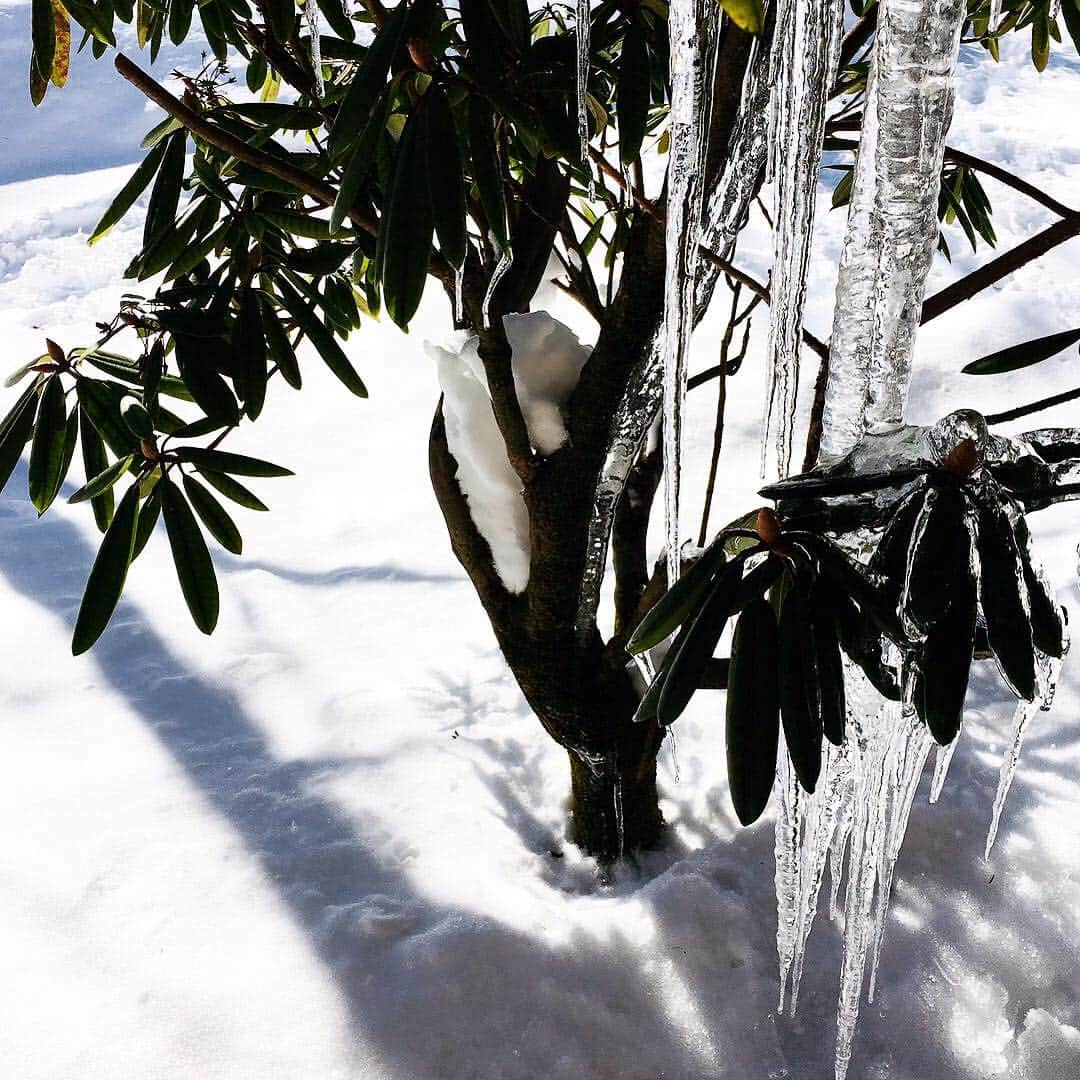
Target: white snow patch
{"points": [[547, 361]]}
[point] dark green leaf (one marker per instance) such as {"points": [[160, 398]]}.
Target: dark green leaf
{"points": [[1022, 355], [103, 481], [1047, 617], [130, 191], [235, 464], [47, 449], [278, 345], [368, 82], [676, 604], [753, 708], [210, 391], [15, 431], [232, 489], [194, 568], [324, 341], [445, 178], [487, 168], [95, 462], [43, 35], [137, 419], [249, 341], [107, 576], [405, 228], [634, 92], [165, 194], [148, 519], [220, 526], [798, 688]]}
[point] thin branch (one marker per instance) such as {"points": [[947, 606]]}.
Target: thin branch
{"points": [[496, 355], [970, 161], [1033, 407], [1001, 267]]}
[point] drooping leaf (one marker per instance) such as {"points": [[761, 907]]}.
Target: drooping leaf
{"points": [[634, 92], [101, 403], [278, 345], [214, 516], [446, 182], [148, 519], [1004, 600], [165, 194], [47, 449], [62, 54], [323, 340], [210, 391], [43, 36], [232, 489], [1047, 618], [249, 341], [108, 574], [676, 604], [487, 168], [753, 711], [15, 430], [360, 163], [406, 226], [798, 688], [95, 462], [194, 568], [130, 192]]}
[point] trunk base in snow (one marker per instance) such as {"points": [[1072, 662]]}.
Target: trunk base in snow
{"points": [[614, 812]]}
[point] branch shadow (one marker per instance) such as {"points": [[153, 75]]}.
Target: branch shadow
{"points": [[431, 991]]}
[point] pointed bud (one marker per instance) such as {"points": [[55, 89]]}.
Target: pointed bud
{"points": [[55, 351], [768, 525]]}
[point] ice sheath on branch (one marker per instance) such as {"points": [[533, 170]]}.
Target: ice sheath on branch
{"points": [[892, 221], [806, 46]]}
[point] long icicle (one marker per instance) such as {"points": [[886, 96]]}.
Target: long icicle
{"points": [[583, 42], [806, 45], [691, 27], [726, 204]]}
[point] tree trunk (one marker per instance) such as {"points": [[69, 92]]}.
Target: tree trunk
{"points": [[614, 805]]}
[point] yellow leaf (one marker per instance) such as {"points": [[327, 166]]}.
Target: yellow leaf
{"points": [[745, 14], [62, 56]]}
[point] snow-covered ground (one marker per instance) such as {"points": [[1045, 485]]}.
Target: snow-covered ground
{"points": [[327, 843]]}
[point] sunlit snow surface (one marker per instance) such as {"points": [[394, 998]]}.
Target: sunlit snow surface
{"points": [[316, 847]]}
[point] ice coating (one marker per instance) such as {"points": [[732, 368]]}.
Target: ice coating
{"points": [[994, 16], [506, 260], [582, 40], [1049, 669], [691, 28], [941, 769], [806, 44], [311, 11], [725, 205], [892, 222]]}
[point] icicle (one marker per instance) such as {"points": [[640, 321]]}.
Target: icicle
{"points": [[892, 224], [691, 25], [674, 754], [822, 821], [806, 45], [459, 282], [911, 746], [728, 201], [1054, 10], [311, 11], [582, 37], [1049, 669], [941, 768], [506, 260], [787, 854], [994, 17]]}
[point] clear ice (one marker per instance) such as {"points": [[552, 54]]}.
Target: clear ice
{"points": [[582, 39], [692, 30], [726, 204], [805, 51], [892, 221], [311, 11]]}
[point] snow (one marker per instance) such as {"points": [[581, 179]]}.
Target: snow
{"points": [[317, 846], [547, 360]]}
